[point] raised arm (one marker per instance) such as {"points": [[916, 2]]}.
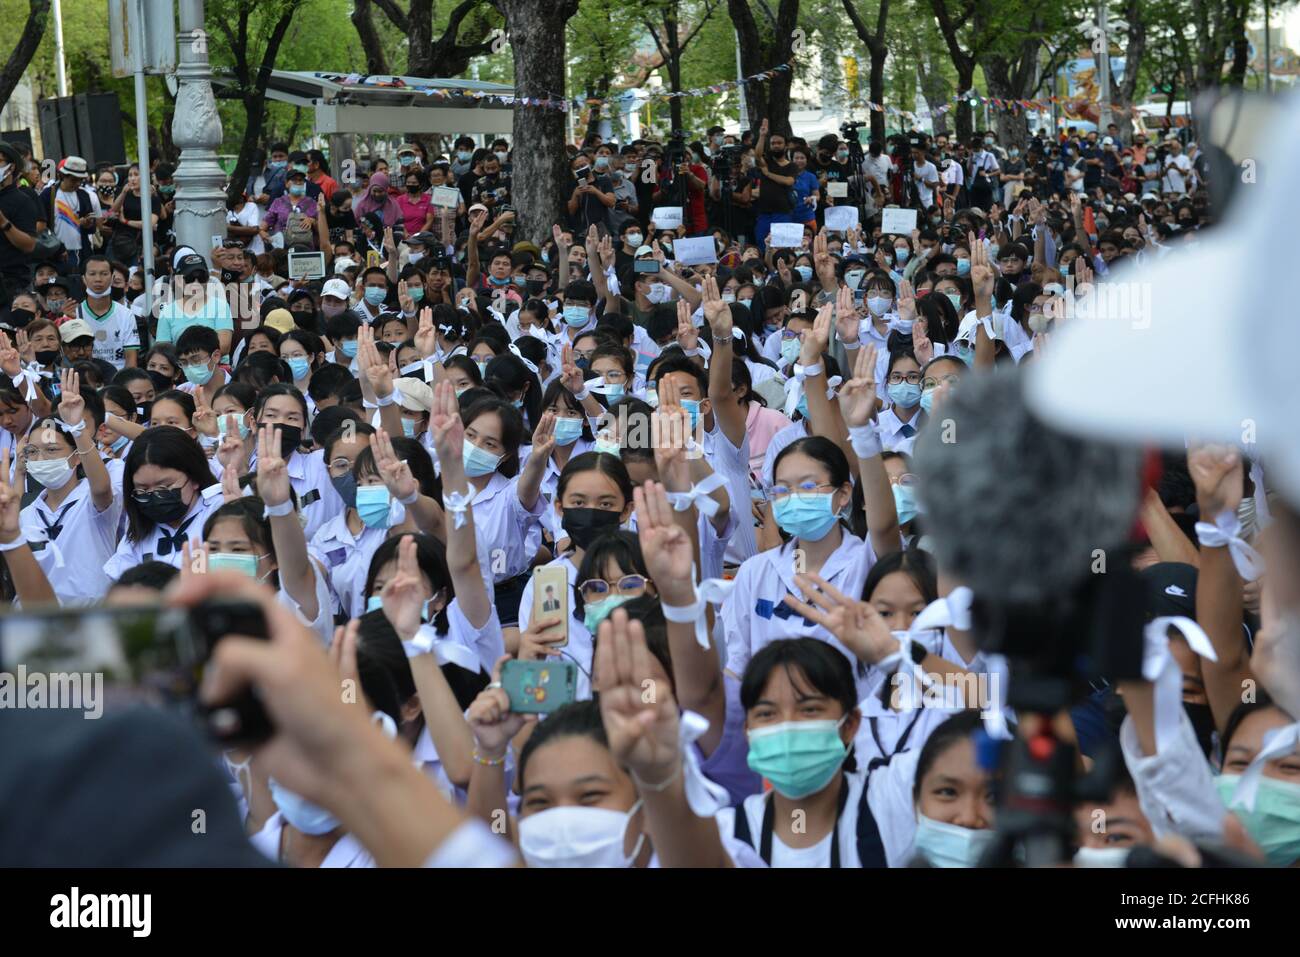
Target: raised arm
{"points": [[722, 393], [534, 470], [72, 411], [858, 404], [981, 277], [471, 249], [30, 583], [376, 378], [402, 486], [297, 574]]}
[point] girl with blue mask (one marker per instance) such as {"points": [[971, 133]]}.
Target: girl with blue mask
{"points": [[939, 377], [301, 351], [898, 423], [807, 499]]}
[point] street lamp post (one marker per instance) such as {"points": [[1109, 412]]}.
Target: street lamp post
{"points": [[1100, 34], [196, 129]]}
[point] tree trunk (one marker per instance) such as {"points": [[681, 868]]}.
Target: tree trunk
{"points": [[376, 62], [936, 94], [1133, 52], [38, 15], [541, 179], [419, 49], [874, 41], [964, 120], [674, 64], [876, 88], [769, 99]]}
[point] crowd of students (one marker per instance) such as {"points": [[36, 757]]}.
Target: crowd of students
{"points": [[717, 455]]}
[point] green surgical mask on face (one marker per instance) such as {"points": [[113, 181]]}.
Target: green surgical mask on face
{"points": [[594, 612], [1274, 824], [798, 757]]}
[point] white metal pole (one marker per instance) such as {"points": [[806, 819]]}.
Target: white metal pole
{"points": [[59, 65], [1103, 65], [740, 87], [142, 150]]}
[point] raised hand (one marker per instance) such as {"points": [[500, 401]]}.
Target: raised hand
{"points": [[204, 419], [857, 397], [570, 374], [394, 471], [856, 624], [476, 222], [816, 339], [231, 452], [642, 734], [230, 488], [922, 348], [490, 719], [26, 350], [906, 302], [426, 337], [445, 424], [981, 273], [406, 593], [1216, 471], [10, 361], [373, 366], [716, 312], [687, 336], [11, 503], [71, 405], [671, 427], [847, 323], [404, 298], [669, 554], [272, 470], [544, 436]]}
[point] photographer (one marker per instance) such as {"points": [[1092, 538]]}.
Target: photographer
{"points": [[593, 197], [681, 167], [773, 176], [733, 164]]}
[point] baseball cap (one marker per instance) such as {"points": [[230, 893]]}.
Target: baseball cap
{"points": [[1107, 141], [281, 320], [422, 239], [336, 288], [191, 265], [644, 251], [416, 395], [75, 329], [342, 264], [1162, 384]]}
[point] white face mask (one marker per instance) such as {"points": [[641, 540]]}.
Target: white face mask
{"points": [[1101, 856], [948, 845], [577, 837], [52, 473], [659, 292]]}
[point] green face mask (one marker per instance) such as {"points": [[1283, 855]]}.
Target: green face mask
{"points": [[1274, 824], [597, 611], [798, 757]]}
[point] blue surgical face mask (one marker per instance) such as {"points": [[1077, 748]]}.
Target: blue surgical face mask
{"points": [[576, 315], [1274, 824], [963, 267], [692, 406], [415, 292], [633, 239], [901, 255], [464, 156], [965, 352], [373, 505], [567, 431], [349, 348], [608, 446], [927, 400], [854, 278], [809, 519], [614, 391], [879, 305], [223, 425], [799, 757], [947, 845], [805, 273], [375, 295], [477, 462], [230, 561], [955, 299], [299, 367], [119, 444], [301, 813], [905, 394], [905, 503], [298, 189], [408, 427], [197, 374], [594, 612], [790, 350]]}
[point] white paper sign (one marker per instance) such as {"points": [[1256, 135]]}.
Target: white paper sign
{"points": [[447, 197], [897, 222], [837, 190], [667, 217], [786, 234], [306, 265], [695, 252], [841, 218]]}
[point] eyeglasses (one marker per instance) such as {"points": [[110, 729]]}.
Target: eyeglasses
{"points": [[629, 586], [907, 479], [804, 490], [340, 467], [897, 378], [931, 383], [141, 495]]}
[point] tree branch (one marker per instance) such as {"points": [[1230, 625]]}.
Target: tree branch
{"points": [[395, 15]]}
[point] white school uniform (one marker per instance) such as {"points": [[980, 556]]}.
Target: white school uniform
{"points": [[893, 437], [889, 799], [163, 543], [732, 463], [1175, 787], [347, 558], [73, 542], [507, 534], [323, 623], [581, 646], [753, 615], [346, 852], [550, 487], [309, 477]]}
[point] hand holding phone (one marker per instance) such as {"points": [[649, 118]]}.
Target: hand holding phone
{"points": [[539, 687]]}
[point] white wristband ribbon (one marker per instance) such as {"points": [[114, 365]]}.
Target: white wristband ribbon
{"points": [[76, 429], [865, 440], [381, 401], [32, 377], [413, 497], [1278, 742], [1160, 668], [706, 798], [699, 495], [952, 611], [10, 546], [832, 384], [284, 508], [444, 650], [995, 714], [794, 385], [458, 504], [1226, 530], [711, 591]]}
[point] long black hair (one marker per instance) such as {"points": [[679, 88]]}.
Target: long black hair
{"points": [[431, 557], [167, 448], [512, 428], [509, 370]]}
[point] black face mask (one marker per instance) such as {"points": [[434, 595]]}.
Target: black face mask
{"points": [[290, 439], [47, 357], [116, 293], [144, 410], [535, 286], [346, 486], [1203, 724], [584, 524], [161, 383], [230, 275], [163, 506]]}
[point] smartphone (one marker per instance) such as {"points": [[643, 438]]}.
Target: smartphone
{"points": [[539, 687], [581, 174], [98, 658], [551, 600], [645, 265]]}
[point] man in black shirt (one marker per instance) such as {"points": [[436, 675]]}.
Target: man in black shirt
{"points": [[18, 217], [592, 197], [774, 176]]}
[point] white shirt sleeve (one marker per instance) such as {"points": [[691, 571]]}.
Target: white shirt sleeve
{"points": [[1175, 787]]}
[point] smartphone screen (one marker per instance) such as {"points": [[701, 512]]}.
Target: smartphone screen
{"points": [[551, 600], [539, 687]]}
